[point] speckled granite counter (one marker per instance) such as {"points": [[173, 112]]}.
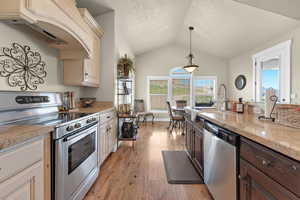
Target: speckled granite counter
{"points": [[18, 134], [283, 139], [14, 135], [97, 107]]}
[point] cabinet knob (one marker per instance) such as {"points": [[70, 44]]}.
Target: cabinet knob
{"points": [[266, 162], [294, 167], [242, 177], [86, 74]]}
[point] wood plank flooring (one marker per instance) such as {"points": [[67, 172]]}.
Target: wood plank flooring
{"points": [[139, 174]]}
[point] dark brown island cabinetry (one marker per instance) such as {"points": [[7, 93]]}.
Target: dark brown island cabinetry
{"points": [[266, 174], [194, 143]]}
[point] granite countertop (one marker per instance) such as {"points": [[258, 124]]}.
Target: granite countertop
{"points": [[19, 134], [280, 138], [97, 107]]}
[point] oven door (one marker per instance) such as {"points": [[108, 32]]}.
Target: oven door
{"points": [[76, 158]]}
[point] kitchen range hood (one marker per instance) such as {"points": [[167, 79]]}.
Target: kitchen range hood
{"points": [[58, 20]]}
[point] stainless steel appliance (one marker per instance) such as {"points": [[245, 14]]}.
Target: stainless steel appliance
{"points": [[74, 155], [220, 162], [75, 150]]}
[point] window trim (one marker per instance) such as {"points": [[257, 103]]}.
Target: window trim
{"points": [[282, 51], [158, 78], [170, 95], [215, 78]]}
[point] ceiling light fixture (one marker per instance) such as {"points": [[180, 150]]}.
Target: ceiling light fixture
{"points": [[191, 67]]}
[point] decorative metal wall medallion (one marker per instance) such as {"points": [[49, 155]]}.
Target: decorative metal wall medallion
{"points": [[22, 67]]}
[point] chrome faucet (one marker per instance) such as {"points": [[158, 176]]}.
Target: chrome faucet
{"points": [[225, 91], [222, 103]]}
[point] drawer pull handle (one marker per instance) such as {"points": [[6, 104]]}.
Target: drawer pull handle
{"points": [[294, 167], [264, 162], [244, 179]]}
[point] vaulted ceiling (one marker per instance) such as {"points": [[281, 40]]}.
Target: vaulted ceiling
{"points": [[223, 28]]}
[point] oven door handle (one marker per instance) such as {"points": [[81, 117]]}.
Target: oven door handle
{"points": [[76, 137]]}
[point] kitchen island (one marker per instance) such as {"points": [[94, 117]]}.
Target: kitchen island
{"points": [[267, 157]]}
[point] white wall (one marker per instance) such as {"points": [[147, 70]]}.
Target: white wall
{"points": [[242, 64], [158, 62], [113, 46], [25, 36], [107, 58]]}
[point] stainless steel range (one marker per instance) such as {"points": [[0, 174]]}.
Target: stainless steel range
{"points": [[74, 149]]}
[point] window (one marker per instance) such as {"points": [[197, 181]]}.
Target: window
{"points": [[180, 85], [197, 90], [158, 88], [270, 75], [272, 70], [204, 90]]}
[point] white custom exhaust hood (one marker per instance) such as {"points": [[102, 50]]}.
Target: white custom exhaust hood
{"points": [[58, 20]]}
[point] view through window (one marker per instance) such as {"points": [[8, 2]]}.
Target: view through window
{"points": [[178, 86], [158, 93], [270, 75], [204, 91]]}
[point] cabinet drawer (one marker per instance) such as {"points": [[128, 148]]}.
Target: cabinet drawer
{"points": [[255, 185], [278, 167], [106, 117], [17, 160]]}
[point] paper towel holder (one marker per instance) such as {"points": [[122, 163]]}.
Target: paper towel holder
{"points": [[273, 98]]}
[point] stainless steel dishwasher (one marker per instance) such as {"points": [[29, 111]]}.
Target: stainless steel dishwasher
{"points": [[220, 162]]}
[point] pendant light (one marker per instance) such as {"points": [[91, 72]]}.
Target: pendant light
{"points": [[191, 67]]}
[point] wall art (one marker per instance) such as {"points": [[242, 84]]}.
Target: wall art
{"points": [[22, 67]]}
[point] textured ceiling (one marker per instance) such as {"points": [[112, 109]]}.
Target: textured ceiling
{"points": [[289, 8], [224, 28]]}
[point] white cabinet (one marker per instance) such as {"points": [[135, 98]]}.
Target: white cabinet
{"points": [[26, 185], [23, 173], [74, 31], [107, 135]]}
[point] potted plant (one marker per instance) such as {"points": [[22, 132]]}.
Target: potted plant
{"points": [[125, 66]]}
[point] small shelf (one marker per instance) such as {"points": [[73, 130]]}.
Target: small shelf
{"points": [[128, 139], [127, 116], [124, 79]]}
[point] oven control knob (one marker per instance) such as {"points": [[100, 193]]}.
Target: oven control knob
{"points": [[70, 128], [78, 125], [90, 120]]}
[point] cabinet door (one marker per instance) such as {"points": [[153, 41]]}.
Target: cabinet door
{"points": [[113, 134], [255, 185], [189, 138], [198, 149], [101, 145], [107, 142], [27, 185]]}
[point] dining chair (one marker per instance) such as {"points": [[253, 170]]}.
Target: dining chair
{"points": [[181, 103], [139, 110], [175, 120]]}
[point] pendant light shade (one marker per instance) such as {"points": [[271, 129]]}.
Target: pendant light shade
{"points": [[191, 67]]}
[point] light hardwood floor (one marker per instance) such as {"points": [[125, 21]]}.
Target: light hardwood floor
{"points": [[139, 174]]}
